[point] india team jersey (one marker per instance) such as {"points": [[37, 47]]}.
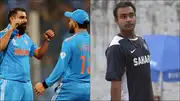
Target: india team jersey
{"points": [[128, 61], [75, 57], [15, 64]]}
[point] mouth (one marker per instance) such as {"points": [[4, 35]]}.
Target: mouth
{"points": [[23, 25], [129, 25]]}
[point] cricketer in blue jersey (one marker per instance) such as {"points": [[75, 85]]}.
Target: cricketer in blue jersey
{"points": [[74, 56], [16, 48]]}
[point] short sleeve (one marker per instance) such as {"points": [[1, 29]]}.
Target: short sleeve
{"points": [[115, 63], [2, 33]]}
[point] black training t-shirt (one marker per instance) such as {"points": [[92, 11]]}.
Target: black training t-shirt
{"points": [[128, 60]]}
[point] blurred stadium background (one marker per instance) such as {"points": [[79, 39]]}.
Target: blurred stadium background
{"points": [[153, 17], [44, 15]]}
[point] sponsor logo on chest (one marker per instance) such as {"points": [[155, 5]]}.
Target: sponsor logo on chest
{"points": [[20, 48], [21, 52], [141, 60]]}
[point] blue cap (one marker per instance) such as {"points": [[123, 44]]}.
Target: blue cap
{"points": [[78, 15]]}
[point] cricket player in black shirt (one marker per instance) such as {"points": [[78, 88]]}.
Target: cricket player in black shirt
{"points": [[128, 59]]}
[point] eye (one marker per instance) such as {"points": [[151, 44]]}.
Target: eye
{"points": [[123, 16], [22, 17], [131, 15]]}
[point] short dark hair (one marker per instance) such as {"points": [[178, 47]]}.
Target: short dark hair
{"points": [[14, 11], [122, 5], [84, 25]]}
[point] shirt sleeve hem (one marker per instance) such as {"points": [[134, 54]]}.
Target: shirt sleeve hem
{"points": [[45, 84]]}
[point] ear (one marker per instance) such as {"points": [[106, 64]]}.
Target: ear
{"points": [[75, 24], [11, 18]]}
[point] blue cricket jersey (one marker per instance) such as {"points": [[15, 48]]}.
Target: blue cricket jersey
{"points": [[15, 64], [75, 58]]}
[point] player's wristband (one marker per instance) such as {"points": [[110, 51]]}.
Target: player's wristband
{"points": [[44, 84]]}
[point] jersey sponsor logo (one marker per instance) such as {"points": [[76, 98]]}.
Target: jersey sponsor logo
{"points": [[62, 55], [141, 60], [21, 52]]}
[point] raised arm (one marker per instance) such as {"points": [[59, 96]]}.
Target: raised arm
{"points": [[6, 34], [41, 51], [58, 71]]}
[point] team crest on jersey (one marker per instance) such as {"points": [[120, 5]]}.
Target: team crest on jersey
{"points": [[25, 41], [62, 55], [14, 42]]}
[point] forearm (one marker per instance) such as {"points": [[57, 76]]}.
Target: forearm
{"points": [[5, 39], [58, 72], [115, 92], [43, 49], [115, 95]]}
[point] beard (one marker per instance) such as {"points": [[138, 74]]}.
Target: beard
{"points": [[129, 27], [71, 30], [21, 28]]}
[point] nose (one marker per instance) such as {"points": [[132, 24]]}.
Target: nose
{"points": [[25, 20], [128, 19]]}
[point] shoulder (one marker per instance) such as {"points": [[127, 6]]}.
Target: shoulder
{"points": [[115, 41], [69, 38], [77, 36], [140, 37], [114, 46], [68, 41]]}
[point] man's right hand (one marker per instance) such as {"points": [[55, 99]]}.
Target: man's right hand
{"points": [[15, 22], [5, 39]]}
